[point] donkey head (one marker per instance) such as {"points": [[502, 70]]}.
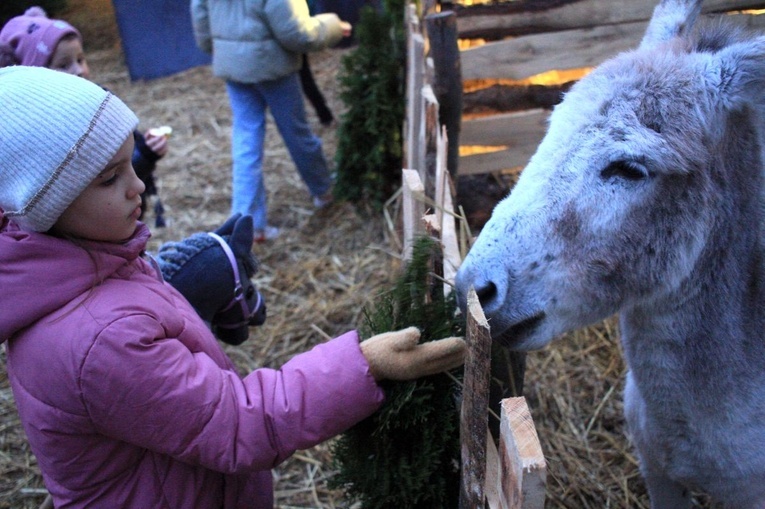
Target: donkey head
{"points": [[629, 186]]}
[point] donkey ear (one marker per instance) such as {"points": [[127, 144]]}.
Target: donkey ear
{"points": [[241, 237], [228, 227], [671, 18], [739, 75]]}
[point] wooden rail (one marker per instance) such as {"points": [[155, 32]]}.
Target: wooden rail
{"points": [[555, 35]]}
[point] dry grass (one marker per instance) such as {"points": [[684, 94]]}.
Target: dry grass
{"points": [[316, 279]]}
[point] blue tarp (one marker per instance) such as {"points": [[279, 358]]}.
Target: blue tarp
{"points": [[157, 38]]}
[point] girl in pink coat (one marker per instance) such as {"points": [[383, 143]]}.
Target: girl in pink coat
{"points": [[125, 395]]}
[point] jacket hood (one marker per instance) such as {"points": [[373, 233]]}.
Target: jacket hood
{"points": [[40, 273]]}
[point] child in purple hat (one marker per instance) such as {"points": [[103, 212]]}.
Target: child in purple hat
{"points": [[34, 39]]}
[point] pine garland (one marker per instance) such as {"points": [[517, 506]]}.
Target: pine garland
{"points": [[407, 455], [369, 153]]}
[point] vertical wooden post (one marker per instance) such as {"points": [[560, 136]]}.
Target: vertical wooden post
{"points": [[430, 128], [445, 219], [475, 406], [412, 207], [523, 471], [414, 79], [442, 36]]}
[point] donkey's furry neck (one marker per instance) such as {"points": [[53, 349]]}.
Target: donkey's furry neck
{"points": [[698, 337]]}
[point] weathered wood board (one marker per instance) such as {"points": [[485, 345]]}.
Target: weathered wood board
{"points": [[413, 209], [523, 470], [474, 413], [519, 133], [526, 17]]}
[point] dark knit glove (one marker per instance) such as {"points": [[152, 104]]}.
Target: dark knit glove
{"points": [[398, 356]]}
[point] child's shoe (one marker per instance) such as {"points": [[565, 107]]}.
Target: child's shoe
{"points": [[267, 233], [323, 201]]}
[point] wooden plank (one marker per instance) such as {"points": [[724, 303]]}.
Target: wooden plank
{"points": [[414, 81], [479, 164], [523, 470], [429, 134], [414, 107], [527, 56], [515, 18], [520, 132], [412, 208], [506, 129], [493, 475], [522, 57], [475, 406], [445, 213], [439, 197], [503, 98], [750, 21]]}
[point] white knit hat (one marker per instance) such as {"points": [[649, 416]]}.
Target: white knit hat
{"points": [[57, 133]]}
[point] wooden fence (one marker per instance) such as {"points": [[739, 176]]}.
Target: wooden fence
{"points": [[509, 474], [505, 107], [482, 96]]}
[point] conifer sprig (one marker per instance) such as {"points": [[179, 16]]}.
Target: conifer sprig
{"points": [[407, 455]]}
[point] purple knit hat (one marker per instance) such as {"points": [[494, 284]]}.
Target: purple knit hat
{"points": [[33, 37]]}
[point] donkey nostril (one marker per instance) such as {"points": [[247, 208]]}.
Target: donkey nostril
{"points": [[486, 293]]}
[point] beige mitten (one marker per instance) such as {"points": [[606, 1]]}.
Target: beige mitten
{"points": [[397, 355]]}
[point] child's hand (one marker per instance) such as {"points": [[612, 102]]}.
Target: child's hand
{"points": [[156, 139], [397, 355], [347, 28]]}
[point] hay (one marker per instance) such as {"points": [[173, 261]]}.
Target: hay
{"points": [[316, 278]]}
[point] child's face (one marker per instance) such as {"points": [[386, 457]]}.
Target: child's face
{"points": [[108, 209], [70, 58]]}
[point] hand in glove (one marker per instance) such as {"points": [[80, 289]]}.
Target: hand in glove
{"points": [[397, 355]]}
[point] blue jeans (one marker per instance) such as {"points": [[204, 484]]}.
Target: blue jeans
{"points": [[249, 102]]}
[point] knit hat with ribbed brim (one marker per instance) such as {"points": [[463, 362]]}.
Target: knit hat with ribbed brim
{"points": [[57, 133]]}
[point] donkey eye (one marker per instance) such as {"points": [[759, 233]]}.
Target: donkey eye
{"points": [[627, 170]]}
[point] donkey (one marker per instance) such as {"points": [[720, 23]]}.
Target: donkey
{"points": [[646, 198], [213, 271]]}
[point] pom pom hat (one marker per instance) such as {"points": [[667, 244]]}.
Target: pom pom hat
{"points": [[57, 133], [34, 37]]}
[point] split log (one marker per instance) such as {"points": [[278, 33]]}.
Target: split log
{"points": [[413, 208], [523, 470], [475, 406]]}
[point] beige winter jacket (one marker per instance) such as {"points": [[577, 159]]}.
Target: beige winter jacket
{"points": [[260, 40]]}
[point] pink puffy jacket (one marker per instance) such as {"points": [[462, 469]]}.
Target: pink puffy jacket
{"points": [[129, 401]]}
